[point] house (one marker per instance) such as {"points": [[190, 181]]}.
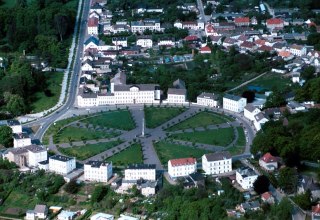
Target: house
{"points": [[178, 24], [294, 107], [228, 42], [249, 206], [298, 50], [259, 120], [66, 215], [275, 23], [207, 99], [140, 171], [96, 7], [307, 183], [39, 212], [295, 77], [167, 42], [182, 167], [97, 171], [144, 41], [215, 40], [217, 163], [126, 217], [21, 140], [250, 111], [242, 21], [147, 24], [191, 25], [178, 93], [13, 124], [234, 103], [191, 38], [210, 30], [102, 216], [205, 50], [148, 188], [120, 41], [245, 177], [61, 164], [247, 45], [315, 214], [268, 162], [93, 26], [267, 198]]}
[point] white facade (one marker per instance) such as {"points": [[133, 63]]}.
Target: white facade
{"points": [[37, 156], [61, 164], [21, 140], [140, 171], [182, 167], [217, 163], [234, 103], [93, 30], [250, 111], [141, 26], [298, 50], [207, 99], [97, 171], [259, 120], [166, 42], [245, 177], [102, 216], [176, 95], [120, 41], [144, 42]]}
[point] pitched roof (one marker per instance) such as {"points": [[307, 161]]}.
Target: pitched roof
{"points": [[218, 156], [247, 44], [205, 49], [273, 21], [250, 107], [191, 38], [266, 195], [182, 161], [174, 91], [93, 22], [232, 97], [268, 158], [242, 20], [40, 209], [316, 209], [92, 39]]}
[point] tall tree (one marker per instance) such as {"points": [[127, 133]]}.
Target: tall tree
{"points": [[61, 24], [261, 185], [6, 136]]}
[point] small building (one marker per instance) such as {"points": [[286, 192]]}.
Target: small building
{"points": [[275, 23], [182, 167], [144, 41], [307, 183], [120, 41], [250, 111], [294, 107], [178, 93], [207, 99], [21, 140], [102, 216], [66, 215], [148, 188], [234, 103], [268, 162], [245, 177], [242, 21], [205, 50], [126, 217], [13, 124], [140, 171], [61, 164], [249, 206], [217, 163], [259, 120], [315, 212], [267, 198], [93, 26], [97, 171]]}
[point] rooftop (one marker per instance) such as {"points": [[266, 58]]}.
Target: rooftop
{"points": [[268, 158], [22, 135], [232, 97], [96, 164], [141, 166], [218, 156], [246, 171], [173, 91], [61, 158], [40, 209], [183, 161], [206, 95]]}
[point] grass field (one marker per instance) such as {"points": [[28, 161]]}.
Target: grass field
{"points": [[241, 142], [201, 119], [133, 154], [40, 100], [18, 200], [89, 150], [69, 134], [156, 116], [270, 81], [219, 137], [114, 119], [167, 151]]}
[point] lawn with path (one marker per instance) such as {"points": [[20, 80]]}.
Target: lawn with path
{"points": [[271, 81], [167, 151], [89, 150], [70, 134], [131, 155], [201, 119], [121, 119], [218, 137], [156, 116]]}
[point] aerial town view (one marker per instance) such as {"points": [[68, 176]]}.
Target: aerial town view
{"points": [[160, 109]]}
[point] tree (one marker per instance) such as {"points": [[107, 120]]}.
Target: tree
{"points": [[288, 180], [72, 187], [15, 105], [261, 185], [98, 194], [6, 136], [275, 99], [249, 95], [304, 200], [61, 24], [208, 10], [308, 73]]}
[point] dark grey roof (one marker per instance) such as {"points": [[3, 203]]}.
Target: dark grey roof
{"points": [[174, 91], [246, 171], [119, 78], [294, 105], [13, 122], [96, 163], [40, 209], [61, 158], [206, 95], [250, 107], [232, 97], [142, 87], [141, 166], [218, 156], [35, 148], [179, 84], [45, 162], [308, 183], [21, 135], [260, 116], [87, 93], [196, 176]]}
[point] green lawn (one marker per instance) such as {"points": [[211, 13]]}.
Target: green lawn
{"points": [[19, 200], [235, 150], [271, 80], [89, 150], [201, 119], [219, 137], [241, 142], [156, 116], [43, 102], [167, 151], [131, 155], [69, 134], [113, 119]]}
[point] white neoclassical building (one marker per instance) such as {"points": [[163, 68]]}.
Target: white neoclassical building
{"points": [[61, 164], [147, 24], [140, 171], [234, 103], [217, 163], [207, 99], [97, 171], [21, 139], [182, 167], [245, 177]]}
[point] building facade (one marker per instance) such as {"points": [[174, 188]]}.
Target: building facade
{"points": [[182, 167], [245, 177], [21, 140], [97, 171], [61, 164], [234, 103], [140, 171], [217, 163], [207, 99]]}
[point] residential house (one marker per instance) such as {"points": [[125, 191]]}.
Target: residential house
{"points": [[250, 111], [61, 164], [207, 99], [39, 212], [248, 46], [147, 24], [126, 217], [194, 180], [259, 120], [234, 103], [96, 7], [275, 23], [148, 188], [205, 50], [97, 171], [294, 107], [120, 41], [191, 25], [315, 212], [307, 183], [178, 24], [210, 30], [215, 40], [93, 26], [217, 163], [242, 21], [228, 42], [245, 177], [140, 171], [268, 162], [13, 124], [249, 206], [102, 216], [66, 215], [298, 50], [21, 140], [182, 167], [267, 198], [144, 41], [167, 42], [178, 93], [118, 28]]}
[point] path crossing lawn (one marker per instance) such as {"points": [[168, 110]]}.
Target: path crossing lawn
{"points": [[219, 137], [156, 116], [167, 151], [201, 119], [113, 119], [235, 150], [89, 150], [70, 134], [133, 154]]}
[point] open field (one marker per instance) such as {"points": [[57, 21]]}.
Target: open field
{"points": [[270, 81], [113, 119], [70, 134], [167, 151], [156, 116], [18, 200], [131, 155], [241, 142], [89, 150], [218, 137], [201, 119]]}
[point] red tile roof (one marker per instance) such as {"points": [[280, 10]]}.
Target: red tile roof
{"points": [[268, 158], [260, 42], [265, 48], [316, 209], [273, 21], [191, 38], [210, 28], [183, 161], [247, 44], [93, 22], [266, 195], [205, 49], [242, 20]]}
